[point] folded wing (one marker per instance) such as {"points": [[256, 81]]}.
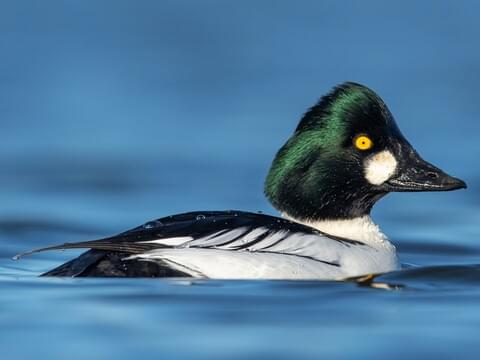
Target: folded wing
{"points": [[209, 244]]}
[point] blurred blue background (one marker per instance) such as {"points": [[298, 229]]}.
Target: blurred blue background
{"points": [[117, 112]]}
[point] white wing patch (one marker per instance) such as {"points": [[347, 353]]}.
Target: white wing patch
{"points": [[380, 167], [173, 241], [244, 240], [218, 238]]}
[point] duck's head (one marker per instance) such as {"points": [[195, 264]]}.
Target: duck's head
{"points": [[346, 153]]}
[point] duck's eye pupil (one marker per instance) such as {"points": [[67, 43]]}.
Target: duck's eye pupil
{"points": [[363, 142]]}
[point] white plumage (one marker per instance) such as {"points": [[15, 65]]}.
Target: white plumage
{"points": [[237, 253]]}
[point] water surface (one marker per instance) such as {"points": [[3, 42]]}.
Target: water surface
{"points": [[113, 113]]}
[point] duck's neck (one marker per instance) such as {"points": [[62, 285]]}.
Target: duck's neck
{"points": [[361, 229]]}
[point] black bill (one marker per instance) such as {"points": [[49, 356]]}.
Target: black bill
{"points": [[415, 174]]}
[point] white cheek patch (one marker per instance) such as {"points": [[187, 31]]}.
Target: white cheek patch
{"points": [[380, 167]]}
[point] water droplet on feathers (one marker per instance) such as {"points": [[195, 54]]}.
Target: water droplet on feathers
{"points": [[152, 224], [200, 217]]}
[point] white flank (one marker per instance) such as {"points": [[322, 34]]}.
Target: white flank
{"points": [[315, 256], [380, 167], [281, 255]]}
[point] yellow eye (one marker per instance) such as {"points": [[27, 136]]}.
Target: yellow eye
{"points": [[363, 142]]}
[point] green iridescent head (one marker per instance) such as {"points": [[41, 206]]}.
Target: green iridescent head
{"points": [[345, 154]]}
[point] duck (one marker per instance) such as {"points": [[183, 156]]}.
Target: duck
{"points": [[345, 154]]}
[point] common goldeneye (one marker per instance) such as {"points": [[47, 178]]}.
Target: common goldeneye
{"points": [[345, 154]]}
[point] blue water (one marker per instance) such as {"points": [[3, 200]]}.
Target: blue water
{"points": [[117, 112]]}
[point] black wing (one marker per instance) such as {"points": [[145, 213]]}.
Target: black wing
{"points": [[206, 229], [199, 224]]}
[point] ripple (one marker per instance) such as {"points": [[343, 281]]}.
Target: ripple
{"points": [[428, 277]]}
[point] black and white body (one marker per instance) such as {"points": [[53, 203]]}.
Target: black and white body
{"points": [[235, 245], [346, 153]]}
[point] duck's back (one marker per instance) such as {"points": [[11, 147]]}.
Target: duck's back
{"points": [[219, 244]]}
